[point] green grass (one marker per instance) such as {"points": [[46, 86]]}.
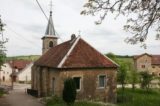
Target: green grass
{"points": [[140, 97], [56, 101], [1, 93]]}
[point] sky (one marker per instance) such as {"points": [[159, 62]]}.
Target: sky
{"points": [[26, 25]]}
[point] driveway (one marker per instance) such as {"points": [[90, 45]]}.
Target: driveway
{"points": [[18, 97]]}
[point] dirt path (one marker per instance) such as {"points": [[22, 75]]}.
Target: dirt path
{"points": [[18, 97]]}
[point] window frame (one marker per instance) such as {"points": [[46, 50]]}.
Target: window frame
{"points": [[105, 81], [80, 82]]}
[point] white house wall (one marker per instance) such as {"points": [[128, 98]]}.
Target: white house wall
{"points": [[5, 73], [25, 74]]}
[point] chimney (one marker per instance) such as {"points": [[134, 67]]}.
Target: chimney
{"points": [[73, 36]]}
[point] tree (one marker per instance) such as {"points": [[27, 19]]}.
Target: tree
{"points": [[134, 78], [133, 75], [122, 74], [141, 14], [69, 91], [146, 79], [111, 56], [2, 47]]}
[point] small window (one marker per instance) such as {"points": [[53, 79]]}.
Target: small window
{"points": [[77, 82], [50, 44], [153, 66], [102, 81], [143, 66]]}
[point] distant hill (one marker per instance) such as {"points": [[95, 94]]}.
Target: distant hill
{"points": [[29, 57], [35, 57]]}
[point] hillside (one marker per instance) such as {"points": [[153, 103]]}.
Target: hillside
{"points": [[30, 57]]}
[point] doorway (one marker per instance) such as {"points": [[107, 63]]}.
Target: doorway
{"points": [[53, 86]]}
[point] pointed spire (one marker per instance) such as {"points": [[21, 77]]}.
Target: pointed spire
{"points": [[50, 27]]}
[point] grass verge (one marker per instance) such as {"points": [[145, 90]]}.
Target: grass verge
{"points": [[139, 97]]}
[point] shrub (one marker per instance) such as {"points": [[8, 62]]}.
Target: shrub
{"points": [[69, 91]]}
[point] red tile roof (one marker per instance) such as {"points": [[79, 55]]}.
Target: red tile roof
{"points": [[156, 59], [19, 64], [54, 55], [74, 54]]}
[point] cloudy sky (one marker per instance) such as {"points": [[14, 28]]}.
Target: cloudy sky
{"points": [[26, 25]]}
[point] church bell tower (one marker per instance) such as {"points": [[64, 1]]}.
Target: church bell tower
{"points": [[50, 39]]}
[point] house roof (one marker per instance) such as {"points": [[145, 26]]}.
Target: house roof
{"points": [[138, 56], [19, 64], [154, 58], [75, 53]]}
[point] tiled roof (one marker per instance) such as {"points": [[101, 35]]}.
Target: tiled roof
{"points": [[156, 59], [138, 56], [75, 53], [54, 55], [19, 64]]}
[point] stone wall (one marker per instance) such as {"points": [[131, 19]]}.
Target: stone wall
{"points": [[147, 61], [51, 82]]}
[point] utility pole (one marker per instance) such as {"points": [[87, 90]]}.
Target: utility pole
{"points": [[12, 81]]}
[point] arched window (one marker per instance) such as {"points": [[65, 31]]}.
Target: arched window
{"points": [[50, 44]]}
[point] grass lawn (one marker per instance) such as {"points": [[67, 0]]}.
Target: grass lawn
{"points": [[1, 93], [56, 101], [140, 97]]}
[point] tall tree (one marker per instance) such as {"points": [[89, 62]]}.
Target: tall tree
{"points": [[122, 74], [142, 15], [146, 79], [2, 47]]}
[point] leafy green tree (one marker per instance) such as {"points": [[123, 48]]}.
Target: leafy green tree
{"points": [[122, 74], [111, 56], [69, 91], [146, 79], [2, 46], [133, 75], [146, 15]]}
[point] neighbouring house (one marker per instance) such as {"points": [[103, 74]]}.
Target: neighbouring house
{"points": [[24, 76], [5, 73], [21, 68], [94, 74], [148, 62]]}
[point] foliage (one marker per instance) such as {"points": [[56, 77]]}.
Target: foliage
{"points": [[111, 56], [2, 45], [29, 57], [146, 79], [69, 91], [142, 15], [57, 101], [139, 97], [122, 74], [1, 92]]}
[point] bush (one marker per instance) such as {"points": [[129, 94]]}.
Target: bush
{"points": [[69, 91]]}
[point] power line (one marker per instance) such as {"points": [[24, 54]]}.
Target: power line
{"points": [[46, 15], [42, 9], [20, 36]]}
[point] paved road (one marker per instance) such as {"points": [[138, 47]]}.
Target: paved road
{"points": [[18, 97]]}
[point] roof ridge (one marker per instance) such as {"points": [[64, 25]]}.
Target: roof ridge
{"points": [[68, 53]]}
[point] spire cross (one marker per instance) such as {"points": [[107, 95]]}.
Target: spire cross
{"points": [[51, 5], [79, 32]]}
